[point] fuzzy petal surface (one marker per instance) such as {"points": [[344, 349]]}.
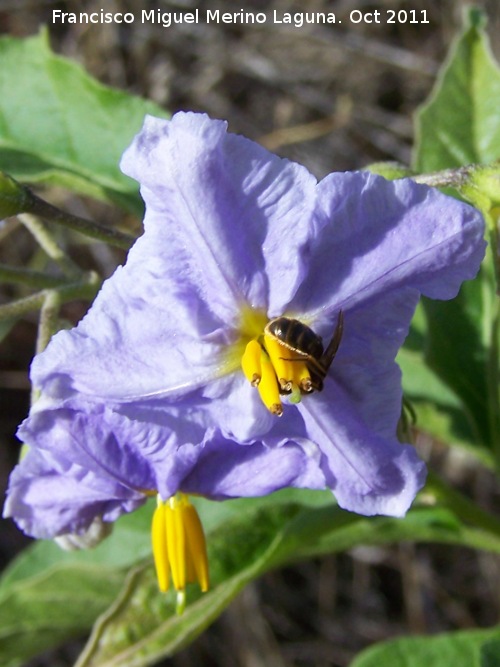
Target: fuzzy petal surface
{"points": [[225, 470], [368, 473], [218, 209], [49, 496], [87, 463], [374, 235]]}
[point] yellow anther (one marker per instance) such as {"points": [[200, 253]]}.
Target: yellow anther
{"points": [[250, 362], [302, 376], [196, 549], [268, 386], [179, 547], [176, 543], [282, 354], [275, 370], [280, 359], [159, 542], [290, 366]]}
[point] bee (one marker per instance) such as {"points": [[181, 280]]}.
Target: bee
{"points": [[300, 338]]}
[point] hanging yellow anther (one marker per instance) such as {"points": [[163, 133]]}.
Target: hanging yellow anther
{"points": [[197, 562], [176, 543], [179, 547], [159, 543]]}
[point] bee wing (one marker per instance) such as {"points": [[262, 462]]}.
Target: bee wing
{"points": [[333, 345]]}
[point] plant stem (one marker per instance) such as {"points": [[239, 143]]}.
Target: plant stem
{"points": [[85, 288], [492, 379], [49, 315], [44, 210], [47, 325], [49, 245], [10, 274], [454, 178]]}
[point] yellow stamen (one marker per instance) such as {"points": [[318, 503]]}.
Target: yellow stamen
{"points": [[259, 371], [195, 542], [159, 540], [250, 362], [271, 365], [280, 359], [268, 386], [179, 547], [176, 544], [302, 376]]}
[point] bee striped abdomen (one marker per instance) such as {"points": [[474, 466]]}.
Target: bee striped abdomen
{"points": [[297, 336], [302, 340]]}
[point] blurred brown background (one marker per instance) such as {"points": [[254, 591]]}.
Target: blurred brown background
{"points": [[332, 97]]}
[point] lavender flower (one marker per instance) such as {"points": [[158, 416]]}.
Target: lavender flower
{"points": [[147, 394]]}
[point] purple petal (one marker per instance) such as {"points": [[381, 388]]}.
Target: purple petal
{"points": [[226, 226], [143, 335], [364, 365], [228, 470], [374, 236], [237, 214], [47, 497], [369, 474], [239, 412], [142, 448]]}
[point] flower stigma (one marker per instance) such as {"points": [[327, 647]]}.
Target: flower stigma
{"points": [[179, 547]]}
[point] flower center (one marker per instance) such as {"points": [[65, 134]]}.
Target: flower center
{"points": [[286, 358], [179, 547]]}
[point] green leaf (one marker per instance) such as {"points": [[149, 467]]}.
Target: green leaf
{"points": [[128, 543], [462, 352], [60, 126], [39, 612], [468, 648], [48, 595], [490, 652], [439, 411], [142, 628], [460, 123]]}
